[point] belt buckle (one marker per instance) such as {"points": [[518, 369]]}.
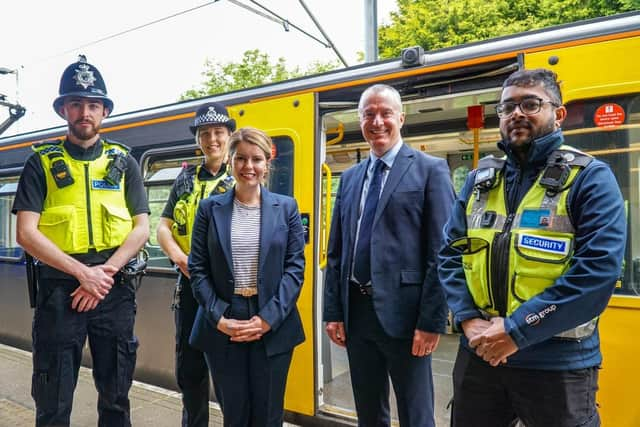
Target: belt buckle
{"points": [[246, 292], [366, 290]]}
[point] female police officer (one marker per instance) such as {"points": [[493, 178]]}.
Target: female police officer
{"points": [[212, 128]]}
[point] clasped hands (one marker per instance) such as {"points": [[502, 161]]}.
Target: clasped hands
{"points": [[243, 330], [95, 283], [489, 339], [424, 343]]}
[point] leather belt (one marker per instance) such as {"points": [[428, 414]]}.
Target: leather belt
{"points": [[363, 289], [246, 292]]}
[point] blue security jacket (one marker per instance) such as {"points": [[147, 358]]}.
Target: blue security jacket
{"points": [[597, 211]]}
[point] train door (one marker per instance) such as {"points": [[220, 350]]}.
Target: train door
{"points": [[290, 122], [437, 125]]}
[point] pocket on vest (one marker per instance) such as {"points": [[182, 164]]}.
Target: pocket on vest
{"points": [[59, 224], [116, 225], [475, 262], [539, 261]]}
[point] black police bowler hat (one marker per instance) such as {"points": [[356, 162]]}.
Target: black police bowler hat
{"points": [[84, 80], [212, 113]]}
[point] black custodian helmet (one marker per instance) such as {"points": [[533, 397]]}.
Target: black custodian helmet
{"points": [[84, 80], [212, 113]]}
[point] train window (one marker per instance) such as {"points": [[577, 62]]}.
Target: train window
{"points": [[8, 246], [609, 128], [160, 171], [281, 172]]}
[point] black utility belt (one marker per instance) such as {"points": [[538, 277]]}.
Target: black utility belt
{"points": [[46, 272], [132, 269]]}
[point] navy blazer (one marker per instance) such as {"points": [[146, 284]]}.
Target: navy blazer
{"points": [[407, 234], [280, 271]]}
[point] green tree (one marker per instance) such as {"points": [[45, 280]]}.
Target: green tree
{"points": [[254, 69], [435, 24]]}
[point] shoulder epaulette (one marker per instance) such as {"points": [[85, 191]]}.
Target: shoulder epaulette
{"points": [[185, 180], [46, 147], [115, 144], [189, 171], [572, 156], [491, 161]]}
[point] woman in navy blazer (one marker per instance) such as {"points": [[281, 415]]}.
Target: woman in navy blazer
{"points": [[247, 268]]}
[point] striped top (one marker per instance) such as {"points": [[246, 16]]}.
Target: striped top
{"points": [[245, 244]]}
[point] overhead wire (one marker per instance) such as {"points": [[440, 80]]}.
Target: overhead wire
{"points": [[286, 23], [324, 34], [259, 13], [130, 30], [271, 15]]}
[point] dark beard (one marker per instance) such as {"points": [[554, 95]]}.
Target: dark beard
{"points": [[533, 133], [82, 133]]}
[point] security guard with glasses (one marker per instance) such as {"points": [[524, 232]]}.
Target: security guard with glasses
{"points": [[533, 251], [82, 212], [212, 128]]}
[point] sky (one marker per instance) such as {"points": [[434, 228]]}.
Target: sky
{"points": [[153, 65]]}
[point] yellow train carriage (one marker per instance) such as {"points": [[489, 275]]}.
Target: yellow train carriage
{"points": [[314, 124]]}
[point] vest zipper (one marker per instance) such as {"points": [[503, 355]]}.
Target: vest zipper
{"points": [[500, 254], [500, 266], [88, 194]]}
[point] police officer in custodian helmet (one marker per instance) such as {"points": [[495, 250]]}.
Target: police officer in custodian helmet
{"points": [[212, 128], [82, 213]]}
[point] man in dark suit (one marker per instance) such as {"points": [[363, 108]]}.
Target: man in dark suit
{"points": [[382, 297]]}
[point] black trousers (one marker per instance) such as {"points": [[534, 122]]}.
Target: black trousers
{"points": [[373, 358], [486, 396], [59, 334], [250, 386], [192, 373]]}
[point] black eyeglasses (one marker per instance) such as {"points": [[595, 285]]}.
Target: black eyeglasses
{"points": [[528, 106]]}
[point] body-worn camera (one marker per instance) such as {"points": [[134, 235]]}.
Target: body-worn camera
{"points": [[116, 168], [485, 178], [61, 173], [555, 176]]}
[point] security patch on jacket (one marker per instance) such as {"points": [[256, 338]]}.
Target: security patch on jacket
{"points": [[551, 245], [535, 218], [101, 184]]}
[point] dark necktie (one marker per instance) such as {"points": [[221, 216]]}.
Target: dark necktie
{"points": [[362, 256]]}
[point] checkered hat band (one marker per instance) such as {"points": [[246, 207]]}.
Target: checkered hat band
{"points": [[211, 117]]}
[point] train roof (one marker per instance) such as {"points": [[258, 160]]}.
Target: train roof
{"points": [[364, 73]]}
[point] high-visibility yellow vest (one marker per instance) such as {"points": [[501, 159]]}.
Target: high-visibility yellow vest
{"points": [[509, 257], [82, 210], [191, 190]]}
